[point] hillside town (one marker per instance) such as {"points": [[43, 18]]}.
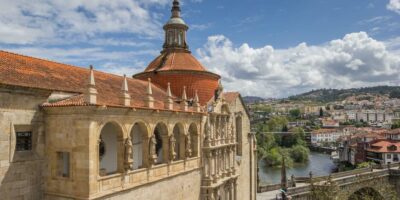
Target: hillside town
{"points": [[362, 128]]}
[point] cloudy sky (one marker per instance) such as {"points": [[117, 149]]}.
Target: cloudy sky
{"points": [[268, 48]]}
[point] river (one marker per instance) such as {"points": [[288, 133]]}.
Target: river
{"points": [[320, 164]]}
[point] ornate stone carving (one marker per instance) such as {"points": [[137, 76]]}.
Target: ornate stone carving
{"points": [[188, 145], [152, 151], [128, 154], [172, 143]]}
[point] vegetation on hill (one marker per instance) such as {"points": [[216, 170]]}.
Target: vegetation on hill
{"points": [[329, 95], [272, 148], [252, 99]]}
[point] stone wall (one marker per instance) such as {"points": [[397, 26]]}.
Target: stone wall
{"points": [[21, 172], [246, 163], [77, 130], [182, 187]]}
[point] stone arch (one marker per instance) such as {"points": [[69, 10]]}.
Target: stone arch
{"points": [[179, 135], [139, 135], [193, 134], [110, 148], [366, 193], [162, 142]]}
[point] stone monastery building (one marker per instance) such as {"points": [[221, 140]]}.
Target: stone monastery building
{"points": [[168, 133]]}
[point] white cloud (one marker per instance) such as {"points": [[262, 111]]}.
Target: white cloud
{"points": [[25, 22], [356, 60], [394, 5]]}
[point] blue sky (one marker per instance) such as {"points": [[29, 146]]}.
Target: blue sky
{"points": [[269, 48]]}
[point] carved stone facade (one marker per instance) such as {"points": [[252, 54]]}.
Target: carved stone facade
{"points": [[75, 133]]}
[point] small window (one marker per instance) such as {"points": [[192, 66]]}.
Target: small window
{"points": [[63, 164], [389, 156], [24, 141]]}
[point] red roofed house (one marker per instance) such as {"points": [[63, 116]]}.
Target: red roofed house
{"points": [[169, 132], [385, 151]]}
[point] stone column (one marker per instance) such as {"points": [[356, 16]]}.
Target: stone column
{"points": [[235, 197], [165, 146], [227, 167], [229, 160], [215, 167], [221, 163], [231, 190], [233, 160], [210, 166], [211, 194], [145, 151]]}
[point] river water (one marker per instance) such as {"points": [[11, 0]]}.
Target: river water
{"points": [[320, 164]]}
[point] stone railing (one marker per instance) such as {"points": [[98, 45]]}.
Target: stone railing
{"points": [[385, 166], [118, 182], [333, 175], [271, 187]]}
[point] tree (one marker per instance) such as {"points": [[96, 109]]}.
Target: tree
{"points": [[395, 94], [276, 123], [364, 165], [295, 113], [396, 124], [299, 153], [321, 112]]}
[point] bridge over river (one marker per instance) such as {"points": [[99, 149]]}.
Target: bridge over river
{"points": [[382, 181]]}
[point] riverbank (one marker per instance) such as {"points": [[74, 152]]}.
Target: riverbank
{"points": [[320, 164]]}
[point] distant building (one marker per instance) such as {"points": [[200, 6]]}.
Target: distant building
{"points": [[330, 123], [328, 136]]}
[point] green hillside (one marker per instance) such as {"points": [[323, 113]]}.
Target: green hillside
{"points": [[329, 95]]}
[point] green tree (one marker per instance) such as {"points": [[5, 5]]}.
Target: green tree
{"points": [[295, 113], [321, 112], [364, 165], [276, 123], [299, 153], [395, 94]]}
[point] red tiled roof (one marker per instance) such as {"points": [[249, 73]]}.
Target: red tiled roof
{"points": [[394, 131], [175, 61], [24, 71], [382, 146]]}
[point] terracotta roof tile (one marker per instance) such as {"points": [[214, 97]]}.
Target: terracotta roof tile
{"points": [[382, 146], [24, 71], [175, 61]]}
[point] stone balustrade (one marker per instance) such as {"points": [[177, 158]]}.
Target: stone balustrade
{"points": [[123, 181]]}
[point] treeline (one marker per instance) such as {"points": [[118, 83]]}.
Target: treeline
{"points": [[330, 95], [272, 148]]}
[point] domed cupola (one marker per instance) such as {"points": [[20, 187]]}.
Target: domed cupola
{"points": [[175, 30], [177, 66]]}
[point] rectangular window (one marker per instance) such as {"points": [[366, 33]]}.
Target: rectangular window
{"points": [[63, 161], [24, 141], [389, 156]]}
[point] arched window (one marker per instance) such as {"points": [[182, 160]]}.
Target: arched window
{"points": [[109, 147], [179, 136], [170, 37], [161, 137], [138, 134], [194, 137], [239, 135], [180, 38]]}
